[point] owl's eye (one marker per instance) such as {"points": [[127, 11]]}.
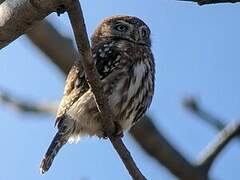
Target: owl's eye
{"points": [[121, 27], [144, 33]]}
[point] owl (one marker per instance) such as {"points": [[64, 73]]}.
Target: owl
{"points": [[121, 51]]}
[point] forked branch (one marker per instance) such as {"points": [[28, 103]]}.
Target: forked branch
{"points": [[208, 156]]}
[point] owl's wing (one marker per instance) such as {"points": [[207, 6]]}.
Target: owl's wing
{"points": [[107, 60], [75, 86]]}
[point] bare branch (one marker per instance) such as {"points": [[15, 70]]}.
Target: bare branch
{"points": [[79, 29], [156, 145], [208, 156], [19, 15], [227, 132], [204, 2], [26, 107], [192, 105], [59, 49], [80, 34]]}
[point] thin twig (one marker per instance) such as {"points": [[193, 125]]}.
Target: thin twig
{"points": [[227, 132], [81, 37], [26, 107], [205, 2], [209, 154], [192, 105], [78, 25]]}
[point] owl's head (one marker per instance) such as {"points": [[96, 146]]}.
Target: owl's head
{"points": [[128, 28]]}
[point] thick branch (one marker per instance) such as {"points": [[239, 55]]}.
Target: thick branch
{"points": [[208, 156], [204, 2], [59, 49], [17, 16], [156, 145], [79, 29]]}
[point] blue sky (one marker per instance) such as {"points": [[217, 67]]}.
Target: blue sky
{"points": [[197, 53]]}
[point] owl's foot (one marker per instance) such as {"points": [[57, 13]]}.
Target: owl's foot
{"points": [[117, 133], [118, 130], [104, 136]]}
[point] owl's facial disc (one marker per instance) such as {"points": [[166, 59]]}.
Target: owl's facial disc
{"points": [[127, 28]]}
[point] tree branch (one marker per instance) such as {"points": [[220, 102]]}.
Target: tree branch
{"points": [[193, 106], [227, 132], [17, 16], [157, 146], [26, 107], [79, 29], [205, 2], [208, 156], [59, 49]]}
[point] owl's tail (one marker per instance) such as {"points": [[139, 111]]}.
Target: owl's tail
{"points": [[58, 141]]}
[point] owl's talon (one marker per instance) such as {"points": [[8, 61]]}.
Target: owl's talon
{"points": [[117, 133], [105, 136], [118, 130]]}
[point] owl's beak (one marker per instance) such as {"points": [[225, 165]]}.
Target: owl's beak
{"points": [[135, 36]]}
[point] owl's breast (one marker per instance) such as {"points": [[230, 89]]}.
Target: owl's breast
{"points": [[126, 72], [128, 92]]}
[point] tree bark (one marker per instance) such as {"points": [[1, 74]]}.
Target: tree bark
{"points": [[17, 16]]}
